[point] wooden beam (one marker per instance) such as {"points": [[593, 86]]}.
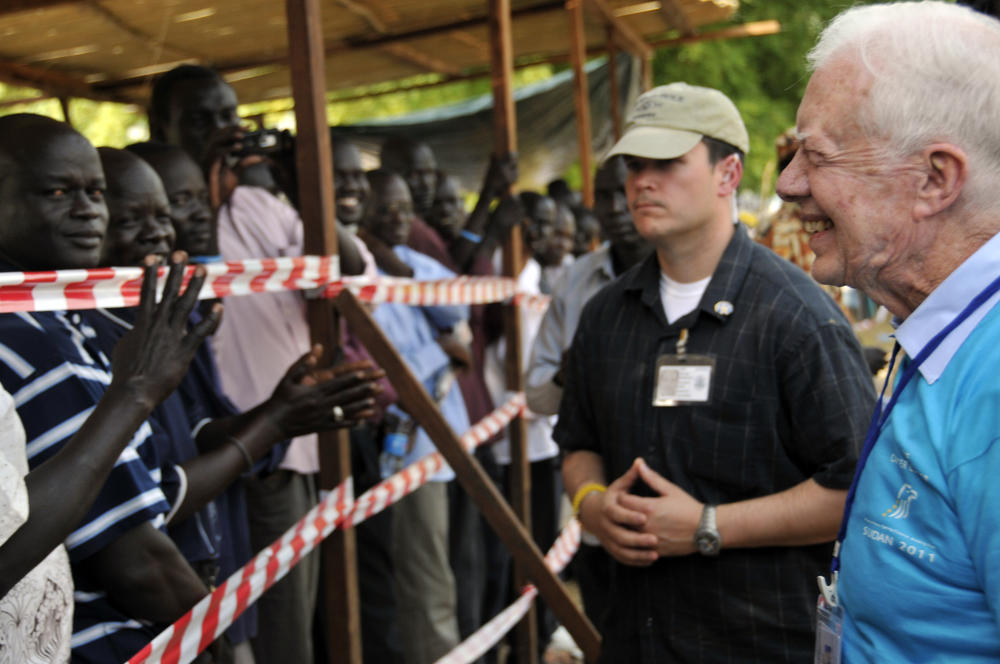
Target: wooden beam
{"points": [[314, 163], [365, 12], [413, 56], [675, 17], [581, 97], [25, 100], [13, 6], [53, 82], [614, 89], [627, 38], [414, 399], [64, 105], [505, 143], [752, 29]]}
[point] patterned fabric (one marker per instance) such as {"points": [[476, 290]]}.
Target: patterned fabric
{"points": [[790, 400], [56, 374], [36, 615]]}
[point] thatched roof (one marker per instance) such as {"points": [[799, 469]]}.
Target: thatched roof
{"points": [[109, 49]]}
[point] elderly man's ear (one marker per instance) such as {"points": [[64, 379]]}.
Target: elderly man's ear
{"points": [[945, 169]]}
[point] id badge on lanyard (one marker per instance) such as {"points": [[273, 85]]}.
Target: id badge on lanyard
{"points": [[829, 632], [683, 379]]}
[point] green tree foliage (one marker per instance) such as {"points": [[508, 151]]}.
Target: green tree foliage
{"points": [[765, 76], [103, 123]]}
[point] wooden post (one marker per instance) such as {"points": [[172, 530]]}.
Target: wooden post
{"points": [[64, 105], [646, 80], [581, 96], [505, 143], [414, 399], [339, 588], [616, 107]]}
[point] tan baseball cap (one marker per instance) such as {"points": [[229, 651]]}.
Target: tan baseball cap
{"points": [[669, 120]]}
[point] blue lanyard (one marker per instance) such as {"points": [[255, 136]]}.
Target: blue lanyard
{"points": [[882, 414]]}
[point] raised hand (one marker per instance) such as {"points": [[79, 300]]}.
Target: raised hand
{"points": [[500, 176], [152, 357], [309, 399]]}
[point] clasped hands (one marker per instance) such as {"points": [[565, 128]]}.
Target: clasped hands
{"points": [[637, 530]]}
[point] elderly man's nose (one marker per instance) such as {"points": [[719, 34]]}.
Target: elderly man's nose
{"points": [[792, 183]]}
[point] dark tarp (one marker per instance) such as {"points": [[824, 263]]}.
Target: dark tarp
{"points": [[461, 135]]}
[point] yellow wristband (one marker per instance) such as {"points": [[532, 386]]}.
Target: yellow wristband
{"points": [[582, 492]]}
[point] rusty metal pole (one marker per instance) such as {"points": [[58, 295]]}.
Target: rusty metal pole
{"points": [[581, 97], [339, 586]]}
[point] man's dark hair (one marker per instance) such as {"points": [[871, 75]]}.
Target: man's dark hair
{"points": [[719, 150], [163, 87]]}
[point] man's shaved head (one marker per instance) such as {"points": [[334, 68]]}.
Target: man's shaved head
{"points": [[52, 209], [139, 214]]}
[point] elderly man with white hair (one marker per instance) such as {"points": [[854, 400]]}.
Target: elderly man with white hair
{"points": [[897, 177]]}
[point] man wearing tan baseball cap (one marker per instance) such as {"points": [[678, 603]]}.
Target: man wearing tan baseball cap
{"points": [[714, 400]]}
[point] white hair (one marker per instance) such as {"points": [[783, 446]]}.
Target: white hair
{"points": [[936, 69]]}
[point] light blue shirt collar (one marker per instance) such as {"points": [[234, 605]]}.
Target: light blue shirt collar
{"points": [[945, 303]]}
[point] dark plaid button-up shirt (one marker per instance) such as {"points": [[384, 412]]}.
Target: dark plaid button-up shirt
{"points": [[790, 399]]}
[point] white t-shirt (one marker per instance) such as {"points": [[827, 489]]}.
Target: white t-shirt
{"points": [[678, 298], [36, 616]]}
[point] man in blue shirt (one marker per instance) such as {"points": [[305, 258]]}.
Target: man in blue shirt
{"points": [[897, 178], [425, 585]]}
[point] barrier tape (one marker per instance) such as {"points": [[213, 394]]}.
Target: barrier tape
{"points": [[487, 636], [109, 287], [199, 627], [192, 633], [56, 290]]}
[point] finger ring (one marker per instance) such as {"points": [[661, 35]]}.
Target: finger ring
{"points": [[338, 414]]}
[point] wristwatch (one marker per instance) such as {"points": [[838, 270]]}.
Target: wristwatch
{"points": [[706, 537]]}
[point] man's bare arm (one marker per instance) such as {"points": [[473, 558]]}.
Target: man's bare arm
{"points": [[807, 513], [145, 576], [804, 514], [149, 361]]}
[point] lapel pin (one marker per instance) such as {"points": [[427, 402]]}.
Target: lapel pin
{"points": [[723, 308]]}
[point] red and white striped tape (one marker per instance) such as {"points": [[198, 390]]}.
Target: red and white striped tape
{"points": [[192, 633], [411, 478], [57, 290], [487, 636], [182, 641]]}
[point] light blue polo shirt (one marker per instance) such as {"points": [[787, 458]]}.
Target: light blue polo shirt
{"points": [[920, 562]]}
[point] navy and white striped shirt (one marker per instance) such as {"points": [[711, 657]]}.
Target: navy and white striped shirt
{"points": [[56, 374]]}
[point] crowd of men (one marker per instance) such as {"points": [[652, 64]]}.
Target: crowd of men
{"points": [[701, 402]]}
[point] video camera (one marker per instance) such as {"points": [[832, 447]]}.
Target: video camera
{"points": [[268, 142]]}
